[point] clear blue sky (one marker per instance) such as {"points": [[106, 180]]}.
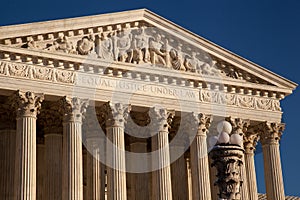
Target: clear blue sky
{"points": [[266, 32]]}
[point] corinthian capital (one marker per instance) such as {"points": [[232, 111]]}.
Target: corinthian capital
{"points": [[239, 125], [250, 141], [197, 123], [204, 123], [27, 104], [270, 133], [115, 114], [161, 119], [73, 108]]}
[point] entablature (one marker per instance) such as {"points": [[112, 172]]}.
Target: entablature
{"points": [[75, 63]]}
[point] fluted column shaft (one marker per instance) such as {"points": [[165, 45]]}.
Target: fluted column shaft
{"points": [[189, 176], [53, 158], [72, 184], [161, 178], [179, 174], [244, 187], [115, 115], [249, 145], [27, 106], [72, 161], [199, 156], [272, 165], [200, 171], [116, 175], [273, 172], [95, 170]]}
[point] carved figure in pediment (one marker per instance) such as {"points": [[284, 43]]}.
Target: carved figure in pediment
{"points": [[63, 45], [122, 45], [141, 47], [193, 64], [86, 45], [177, 59], [104, 47], [157, 54], [31, 44]]}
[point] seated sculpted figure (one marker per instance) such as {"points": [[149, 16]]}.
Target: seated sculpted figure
{"points": [[157, 55], [177, 59]]}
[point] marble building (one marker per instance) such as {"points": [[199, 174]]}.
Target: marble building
{"points": [[127, 106]]}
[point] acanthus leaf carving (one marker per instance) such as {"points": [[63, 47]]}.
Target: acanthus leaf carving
{"points": [[73, 108], [115, 114], [250, 141], [27, 104], [270, 132], [239, 125], [161, 119]]}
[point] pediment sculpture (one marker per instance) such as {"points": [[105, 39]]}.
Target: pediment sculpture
{"points": [[136, 45]]}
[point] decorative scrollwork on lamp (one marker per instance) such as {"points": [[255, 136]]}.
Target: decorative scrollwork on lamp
{"points": [[227, 156]]}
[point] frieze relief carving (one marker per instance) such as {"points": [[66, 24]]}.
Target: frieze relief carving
{"points": [[36, 72], [238, 100], [138, 44]]}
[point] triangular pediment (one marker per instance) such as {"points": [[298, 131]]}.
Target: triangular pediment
{"points": [[141, 38]]}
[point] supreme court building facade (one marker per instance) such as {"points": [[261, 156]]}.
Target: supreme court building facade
{"points": [[127, 106]]}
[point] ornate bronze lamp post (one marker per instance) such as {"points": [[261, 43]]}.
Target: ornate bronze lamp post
{"points": [[227, 156]]}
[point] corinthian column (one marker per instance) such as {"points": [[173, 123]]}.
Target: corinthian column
{"points": [[189, 175], [52, 122], [197, 127], [250, 140], [27, 105], [116, 115], [179, 174], [270, 136], [72, 184], [240, 127], [161, 179], [95, 145]]}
